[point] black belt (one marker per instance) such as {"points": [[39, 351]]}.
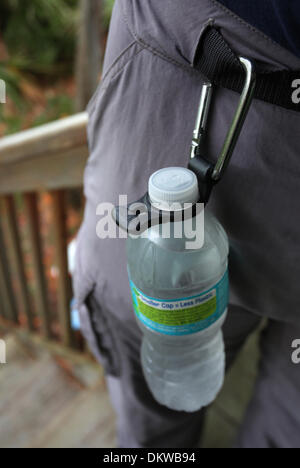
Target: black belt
{"points": [[217, 62]]}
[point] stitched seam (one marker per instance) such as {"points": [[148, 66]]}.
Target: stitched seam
{"points": [[105, 82], [192, 71], [173, 61], [155, 51], [166, 57], [104, 88], [244, 23], [117, 59]]}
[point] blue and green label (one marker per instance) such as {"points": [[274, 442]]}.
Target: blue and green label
{"points": [[182, 316]]}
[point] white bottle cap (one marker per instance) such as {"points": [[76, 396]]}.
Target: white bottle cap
{"points": [[173, 185]]}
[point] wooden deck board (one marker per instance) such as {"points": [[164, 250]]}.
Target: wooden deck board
{"points": [[49, 402], [41, 405], [84, 422]]}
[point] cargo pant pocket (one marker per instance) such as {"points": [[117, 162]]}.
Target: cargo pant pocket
{"points": [[97, 330]]}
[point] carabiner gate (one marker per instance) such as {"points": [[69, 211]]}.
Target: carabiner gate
{"points": [[209, 174]]}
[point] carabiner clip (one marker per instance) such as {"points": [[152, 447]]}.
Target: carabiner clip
{"points": [[207, 173]]}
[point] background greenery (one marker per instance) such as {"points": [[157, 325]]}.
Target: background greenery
{"points": [[38, 40]]}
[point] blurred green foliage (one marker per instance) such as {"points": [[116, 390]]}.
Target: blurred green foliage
{"points": [[39, 34], [40, 38], [57, 106], [107, 10], [13, 122]]}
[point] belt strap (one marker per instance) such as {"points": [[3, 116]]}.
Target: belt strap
{"points": [[217, 62]]}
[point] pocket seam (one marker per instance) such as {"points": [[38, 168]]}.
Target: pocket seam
{"points": [[105, 355], [112, 72]]}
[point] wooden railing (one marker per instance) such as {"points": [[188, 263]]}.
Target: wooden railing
{"points": [[49, 158]]}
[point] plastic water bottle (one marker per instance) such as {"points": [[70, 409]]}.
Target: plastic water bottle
{"points": [[180, 298]]}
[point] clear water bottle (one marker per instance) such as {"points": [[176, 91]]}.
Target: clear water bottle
{"points": [[180, 297]]}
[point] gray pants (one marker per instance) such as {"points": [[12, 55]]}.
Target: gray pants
{"points": [[141, 119], [272, 419]]}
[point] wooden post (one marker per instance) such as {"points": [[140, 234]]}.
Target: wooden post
{"points": [[89, 51], [64, 283], [31, 207], [13, 232], [7, 297], [7, 310]]}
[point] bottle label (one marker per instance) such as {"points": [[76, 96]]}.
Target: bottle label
{"points": [[182, 316]]}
